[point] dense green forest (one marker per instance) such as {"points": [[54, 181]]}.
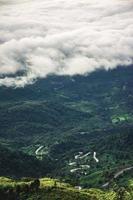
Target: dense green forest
{"points": [[82, 125]]}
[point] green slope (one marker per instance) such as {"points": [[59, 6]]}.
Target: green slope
{"points": [[68, 115], [50, 189], [53, 189]]}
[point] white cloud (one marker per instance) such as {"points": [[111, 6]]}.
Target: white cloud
{"points": [[40, 37]]}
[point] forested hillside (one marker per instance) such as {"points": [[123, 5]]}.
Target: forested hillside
{"points": [[82, 125]]}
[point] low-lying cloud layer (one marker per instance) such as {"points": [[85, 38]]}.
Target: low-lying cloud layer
{"points": [[40, 37]]}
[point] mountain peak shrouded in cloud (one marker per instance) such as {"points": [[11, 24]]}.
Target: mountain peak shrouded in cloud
{"points": [[63, 37]]}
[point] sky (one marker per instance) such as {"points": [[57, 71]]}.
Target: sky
{"points": [[63, 37]]}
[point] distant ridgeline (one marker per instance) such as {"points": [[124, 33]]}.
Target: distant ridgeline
{"points": [[44, 126]]}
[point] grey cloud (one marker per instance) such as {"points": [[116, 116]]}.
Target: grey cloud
{"points": [[63, 37]]}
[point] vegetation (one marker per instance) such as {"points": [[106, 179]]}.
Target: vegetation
{"points": [[46, 189], [52, 189], [66, 116]]}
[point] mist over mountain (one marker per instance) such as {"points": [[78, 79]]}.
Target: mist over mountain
{"points": [[63, 37], [66, 99]]}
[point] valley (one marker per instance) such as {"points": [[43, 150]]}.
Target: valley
{"points": [[66, 100], [81, 125]]}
